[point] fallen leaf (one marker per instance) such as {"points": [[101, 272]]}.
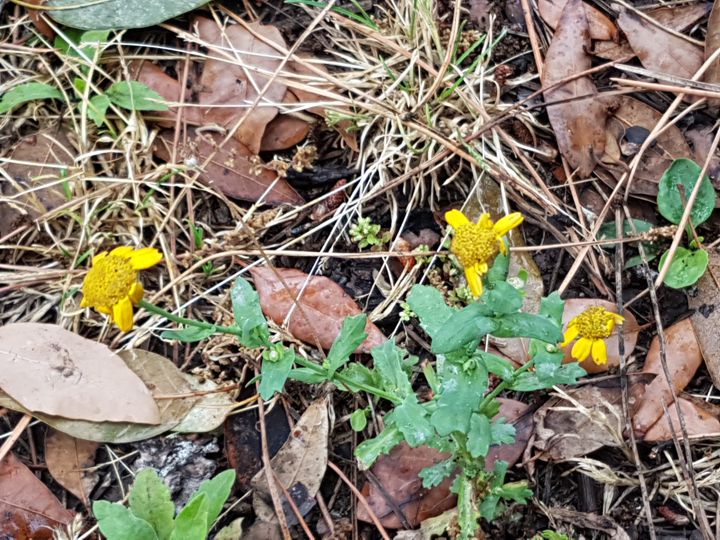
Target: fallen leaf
{"points": [[53, 371], [701, 139], [706, 316], [659, 50], [600, 26], [613, 50], [701, 419], [480, 11], [323, 306], [588, 520], [712, 43], [231, 171], [169, 88], [35, 16], [579, 124], [283, 132], [299, 465], [574, 307], [210, 409], [67, 458], [683, 360], [28, 509]]}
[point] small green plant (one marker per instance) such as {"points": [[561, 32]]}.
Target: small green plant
{"points": [[151, 512], [550, 535], [366, 233]]}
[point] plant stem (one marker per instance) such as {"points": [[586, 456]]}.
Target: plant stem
{"points": [[504, 384], [188, 322]]}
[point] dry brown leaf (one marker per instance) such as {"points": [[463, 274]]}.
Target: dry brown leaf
{"points": [[323, 302], [706, 317], [170, 89], [701, 139], [53, 371], [299, 465], [579, 124], [712, 43], [574, 307], [230, 172], [518, 414], [600, 26], [28, 509], [659, 50], [283, 132], [67, 459], [683, 360], [701, 419]]}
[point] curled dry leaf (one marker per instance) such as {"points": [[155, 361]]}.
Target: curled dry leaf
{"points": [[68, 459], [706, 317], [578, 121], [49, 370], [230, 171], [701, 419], [712, 43], [575, 306], [683, 360], [299, 465], [322, 306], [600, 26], [28, 509]]}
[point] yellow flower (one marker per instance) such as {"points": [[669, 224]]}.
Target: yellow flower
{"points": [[112, 287], [593, 326], [477, 244]]}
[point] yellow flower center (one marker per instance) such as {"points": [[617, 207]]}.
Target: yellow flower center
{"points": [[595, 323], [475, 244], [109, 280]]}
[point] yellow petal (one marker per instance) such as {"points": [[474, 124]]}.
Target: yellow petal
{"points": [[619, 319], [581, 349], [482, 268], [144, 258], [99, 257], [571, 334], [136, 292], [599, 352], [456, 219], [123, 314], [485, 221], [507, 223], [610, 325], [474, 281], [122, 251], [84, 302], [503, 247], [104, 309]]}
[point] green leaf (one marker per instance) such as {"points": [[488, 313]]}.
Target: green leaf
{"points": [[23, 93], [120, 13], [192, 521], [410, 418], [249, 315], [85, 44], [150, 501], [503, 298], [499, 270], [565, 374], [352, 334], [497, 366], [368, 451], [217, 490], [434, 474], [232, 531], [552, 307], [430, 307], [97, 108], [358, 420], [389, 363], [641, 226], [468, 514], [135, 96], [460, 394], [464, 328], [674, 190], [501, 432], [478, 442], [307, 376], [528, 325], [117, 522], [550, 370], [515, 491], [360, 374], [686, 268], [189, 334], [276, 365]]}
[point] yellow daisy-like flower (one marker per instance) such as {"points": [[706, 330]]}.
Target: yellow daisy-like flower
{"points": [[112, 287], [477, 244], [593, 326]]}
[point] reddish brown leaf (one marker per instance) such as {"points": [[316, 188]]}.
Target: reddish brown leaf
{"points": [[683, 360], [169, 88], [706, 317], [322, 308], [230, 172], [515, 413], [28, 509], [283, 132], [579, 124], [701, 419], [712, 43], [66, 458], [37, 19], [599, 25]]}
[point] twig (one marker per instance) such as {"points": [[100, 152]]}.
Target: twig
{"points": [[14, 435]]}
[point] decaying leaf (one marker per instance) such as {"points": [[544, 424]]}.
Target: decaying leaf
{"points": [[210, 409], [706, 317], [155, 78], [701, 138], [578, 121], [701, 419], [284, 131], [67, 459], [28, 509], [575, 306], [323, 306], [231, 171], [712, 43], [599, 25], [683, 360], [299, 465], [52, 371]]}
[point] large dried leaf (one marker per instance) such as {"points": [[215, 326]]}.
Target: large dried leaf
{"points": [[210, 409], [701, 419], [321, 309], [68, 459], [28, 509], [578, 122], [706, 317], [230, 172], [299, 465], [170, 90], [712, 43], [683, 360], [659, 50], [55, 372], [600, 26], [284, 131]]}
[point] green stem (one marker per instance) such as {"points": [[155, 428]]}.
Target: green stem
{"points": [[504, 384], [188, 322]]}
